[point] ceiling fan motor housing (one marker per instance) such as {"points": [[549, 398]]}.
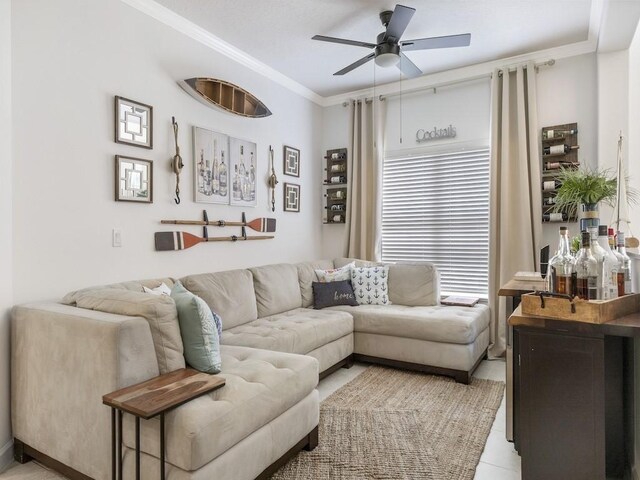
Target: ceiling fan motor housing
{"points": [[387, 47]]}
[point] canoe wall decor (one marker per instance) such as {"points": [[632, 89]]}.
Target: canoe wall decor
{"points": [[229, 97]]}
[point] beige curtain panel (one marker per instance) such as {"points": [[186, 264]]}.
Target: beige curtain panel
{"points": [[364, 177], [515, 217]]}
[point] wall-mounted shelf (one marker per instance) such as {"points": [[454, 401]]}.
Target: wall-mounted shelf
{"points": [[560, 137], [335, 183]]}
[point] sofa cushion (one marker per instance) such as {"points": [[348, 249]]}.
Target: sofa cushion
{"points": [[370, 285], [159, 310], [230, 294], [134, 285], [198, 330], [296, 331], [413, 284], [437, 323], [335, 274], [341, 262], [260, 386], [277, 288], [307, 275], [330, 294]]}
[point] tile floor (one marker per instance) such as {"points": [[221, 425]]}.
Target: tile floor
{"points": [[499, 460]]}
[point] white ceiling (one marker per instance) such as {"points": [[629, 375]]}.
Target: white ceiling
{"points": [[278, 33]]}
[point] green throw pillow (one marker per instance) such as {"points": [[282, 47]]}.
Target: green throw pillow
{"points": [[198, 330]]}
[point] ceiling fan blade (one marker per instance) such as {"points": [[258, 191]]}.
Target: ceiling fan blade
{"points": [[355, 65], [407, 67], [344, 41], [448, 41], [398, 23]]}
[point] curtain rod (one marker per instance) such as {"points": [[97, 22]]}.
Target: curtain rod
{"points": [[454, 82]]}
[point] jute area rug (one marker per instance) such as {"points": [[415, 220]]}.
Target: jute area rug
{"points": [[393, 424]]}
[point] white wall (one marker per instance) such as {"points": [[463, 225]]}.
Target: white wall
{"points": [[70, 58], [567, 93], [335, 134], [6, 284]]}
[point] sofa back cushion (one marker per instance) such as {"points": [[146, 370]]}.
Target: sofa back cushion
{"points": [[134, 286], [230, 294], [307, 275], [342, 261], [277, 289], [159, 310], [413, 284]]}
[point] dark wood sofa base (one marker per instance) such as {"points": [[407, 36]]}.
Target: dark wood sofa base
{"points": [[23, 453], [346, 362], [460, 376]]}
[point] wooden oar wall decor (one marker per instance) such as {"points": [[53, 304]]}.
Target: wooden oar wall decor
{"points": [[182, 240]]}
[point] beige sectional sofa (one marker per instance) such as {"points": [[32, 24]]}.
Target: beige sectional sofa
{"points": [[66, 355]]}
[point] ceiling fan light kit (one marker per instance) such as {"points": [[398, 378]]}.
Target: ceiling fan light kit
{"points": [[387, 51]]}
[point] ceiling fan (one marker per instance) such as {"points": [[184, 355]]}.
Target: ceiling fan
{"points": [[389, 50]]}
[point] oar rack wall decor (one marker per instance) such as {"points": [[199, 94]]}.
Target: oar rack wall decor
{"points": [[182, 240]]}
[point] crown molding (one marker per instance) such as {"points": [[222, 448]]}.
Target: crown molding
{"points": [[199, 34]]}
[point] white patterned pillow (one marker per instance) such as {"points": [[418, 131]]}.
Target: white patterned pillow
{"points": [[335, 274], [370, 284]]}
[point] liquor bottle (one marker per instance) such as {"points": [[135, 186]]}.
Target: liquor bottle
{"points": [[599, 254], [562, 266], [555, 217], [551, 185], [224, 179], [555, 149], [215, 173], [612, 239], [338, 179], [611, 266], [236, 184], [201, 172], [624, 274], [337, 218], [337, 168], [586, 270], [549, 201], [337, 207]]}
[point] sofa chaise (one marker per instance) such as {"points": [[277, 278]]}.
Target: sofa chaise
{"points": [[274, 348]]}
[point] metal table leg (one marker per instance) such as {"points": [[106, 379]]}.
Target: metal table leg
{"points": [[119, 442], [137, 448], [113, 443], [162, 446]]}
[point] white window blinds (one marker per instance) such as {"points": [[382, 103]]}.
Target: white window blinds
{"points": [[436, 208]]}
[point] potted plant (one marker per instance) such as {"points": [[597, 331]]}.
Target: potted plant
{"points": [[586, 188]]}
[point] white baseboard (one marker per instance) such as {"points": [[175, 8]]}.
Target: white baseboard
{"points": [[6, 455]]}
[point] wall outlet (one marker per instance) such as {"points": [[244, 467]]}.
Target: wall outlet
{"points": [[116, 237]]}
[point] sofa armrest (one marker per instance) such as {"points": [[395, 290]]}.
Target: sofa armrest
{"points": [[63, 360]]}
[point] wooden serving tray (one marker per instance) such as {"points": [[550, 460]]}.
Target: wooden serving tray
{"points": [[593, 311]]}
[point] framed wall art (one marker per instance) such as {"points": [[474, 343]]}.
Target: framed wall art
{"points": [[291, 197], [134, 123], [134, 180], [243, 172], [291, 161], [211, 166]]}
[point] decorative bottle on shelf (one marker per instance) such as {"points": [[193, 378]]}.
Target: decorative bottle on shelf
{"points": [[551, 185], [337, 168], [224, 179], [555, 217], [624, 273], [610, 266], [338, 179], [612, 239], [550, 201], [560, 164], [586, 270], [562, 266], [599, 254], [555, 149], [548, 134]]}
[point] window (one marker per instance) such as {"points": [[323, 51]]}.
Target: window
{"points": [[436, 208]]}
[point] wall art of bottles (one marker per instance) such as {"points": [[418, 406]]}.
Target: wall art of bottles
{"points": [[211, 166], [559, 150], [243, 173]]}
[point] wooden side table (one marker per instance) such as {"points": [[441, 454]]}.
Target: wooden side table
{"points": [[149, 399]]}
